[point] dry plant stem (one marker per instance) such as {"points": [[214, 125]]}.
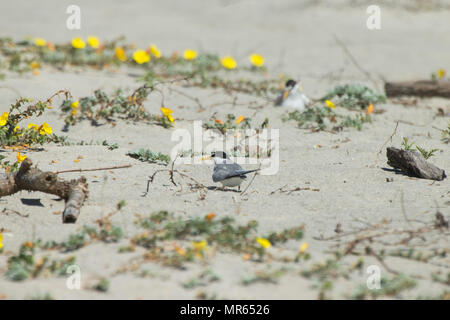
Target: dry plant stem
{"points": [[353, 60], [251, 181], [95, 169], [421, 88], [413, 163], [74, 192], [171, 172], [385, 143]]}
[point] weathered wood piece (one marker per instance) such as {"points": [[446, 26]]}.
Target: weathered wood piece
{"points": [[421, 88], [413, 163], [74, 192]]}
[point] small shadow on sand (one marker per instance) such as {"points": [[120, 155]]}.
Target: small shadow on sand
{"points": [[32, 202], [220, 189], [396, 171]]}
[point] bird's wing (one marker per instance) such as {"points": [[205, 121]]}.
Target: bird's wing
{"points": [[281, 97], [225, 171]]}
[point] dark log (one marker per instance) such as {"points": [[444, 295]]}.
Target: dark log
{"points": [[74, 192], [421, 88], [413, 163]]}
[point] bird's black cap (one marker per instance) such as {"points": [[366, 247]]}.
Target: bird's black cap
{"points": [[219, 154], [290, 83]]}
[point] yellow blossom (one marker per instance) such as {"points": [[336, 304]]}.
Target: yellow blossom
{"points": [[34, 126], [45, 129], [257, 60], [74, 112], [4, 118], [200, 245], [78, 43], [1, 241], [240, 119], [330, 104], [370, 109], [93, 42], [40, 42], [120, 54], [166, 111], [303, 247], [74, 104], [20, 157], [441, 73], [190, 54], [264, 243], [228, 62], [210, 216], [16, 128], [140, 56], [155, 51], [34, 65], [180, 251]]}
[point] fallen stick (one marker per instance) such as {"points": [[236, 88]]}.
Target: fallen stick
{"points": [[74, 192], [94, 169], [413, 163], [421, 88]]}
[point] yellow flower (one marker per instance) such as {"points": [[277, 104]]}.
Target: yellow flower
{"points": [[257, 60], [303, 247], [190, 54], [240, 119], [210, 216], [155, 51], [228, 62], [45, 129], [74, 105], [34, 65], [166, 111], [330, 104], [140, 56], [78, 43], [441, 73], [3, 118], [120, 54], [40, 42], [200, 245], [34, 126], [263, 243], [180, 251], [370, 109], [93, 42], [1, 241], [16, 128], [20, 157], [74, 112]]}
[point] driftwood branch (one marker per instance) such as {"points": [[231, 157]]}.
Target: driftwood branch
{"points": [[74, 192], [413, 163], [421, 88]]}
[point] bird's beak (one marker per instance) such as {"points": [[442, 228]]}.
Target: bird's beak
{"points": [[285, 94], [206, 158]]}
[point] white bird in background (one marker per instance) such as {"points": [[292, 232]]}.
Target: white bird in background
{"points": [[292, 97]]}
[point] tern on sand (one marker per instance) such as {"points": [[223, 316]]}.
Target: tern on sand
{"points": [[228, 173], [292, 97]]}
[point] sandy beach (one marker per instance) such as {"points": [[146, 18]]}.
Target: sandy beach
{"points": [[325, 179]]}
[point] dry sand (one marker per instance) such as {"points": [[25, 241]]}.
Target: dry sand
{"points": [[296, 39]]}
